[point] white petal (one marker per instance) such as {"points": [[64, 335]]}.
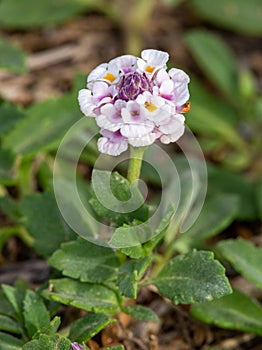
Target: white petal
{"points": [[174, 123], [143, 141], [173, 137], [96, 73], [103, 122], [127, 63], [155, 57], [136, 130], [178, 75], [85, 102], [181, 94], [112, 148]]}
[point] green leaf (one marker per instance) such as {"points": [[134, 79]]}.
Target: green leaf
{"points": [[193, 277], [259, 197], [35, 313], [15, 296], [245, 258], [87, 296], [9, 325], [141, 312], [88, 326], [115, 200], [212, 116], [6, 307], [120, 347], [129, 274], [236, 311], [221, 180], [8, 342], [130, 236], [82, 259], [214, 58], [44, 222], [12, 57], [46, 342], [44, 13], [238, 15], [7, 173], [44, 127], [217, 214], [9, 116]]}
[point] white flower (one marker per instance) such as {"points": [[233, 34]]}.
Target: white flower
{"points": [[136, 101]]}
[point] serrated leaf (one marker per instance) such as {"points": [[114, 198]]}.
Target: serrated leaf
{"points": [[87, 296], [46, 342], [141, 312], [41, 217], [217, 213], [44, 127], [9, 116], [45, 13], [115, 200], [239, 15], [245, 258], [12, 57], [129, 274], [88, 326], [35, 313], [210, 51], [236, 311], [130, 236], [8, 342], [82, 259], [193, 277], [9, 325]]}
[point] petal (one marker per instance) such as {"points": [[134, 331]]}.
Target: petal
{"points": [[104, 123], [85, 100], [173, 137], [96, 73], [143, 141], [112, 148], [127, 63], [172, 124], [136, 130], [178, 75], [181, 94], [155, 57]]}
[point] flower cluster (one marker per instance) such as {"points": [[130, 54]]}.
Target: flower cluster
{"points": [[136, 101]]}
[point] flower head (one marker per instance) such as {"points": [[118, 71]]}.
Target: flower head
{"points": [[136, 101]]}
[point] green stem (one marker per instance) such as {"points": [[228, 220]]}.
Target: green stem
{"points": [[135, 163]]}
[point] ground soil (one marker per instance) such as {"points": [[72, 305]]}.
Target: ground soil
{"points": [[56, 55]]}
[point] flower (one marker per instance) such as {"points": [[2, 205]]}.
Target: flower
{"points": [[136, 101], [75, 346]]}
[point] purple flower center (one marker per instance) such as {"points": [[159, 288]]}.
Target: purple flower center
{"points": [[132, 85]]}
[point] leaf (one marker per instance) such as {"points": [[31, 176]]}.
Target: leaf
{"points": [[9, 325], [44, 127], [12, 57], [222, 180], [6, 307], [259, 197], [129, 274], [88, 326], [141, 312], [9, 116], [41, 217], [15, 296], [214, 58], [120, 347], [8, 342], [45, 13], [217, 214], [82, 259], [238, 15], [236, 311], [87, 296], [35, 313], [115, 200], [212, 116], [193, 277], [130, 236], [46, 342], [245, 258], [7, 164]]}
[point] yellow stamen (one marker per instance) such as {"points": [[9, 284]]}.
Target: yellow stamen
{"points": [[109, 76], [149, 69], [150, 106], [186, 107]]}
